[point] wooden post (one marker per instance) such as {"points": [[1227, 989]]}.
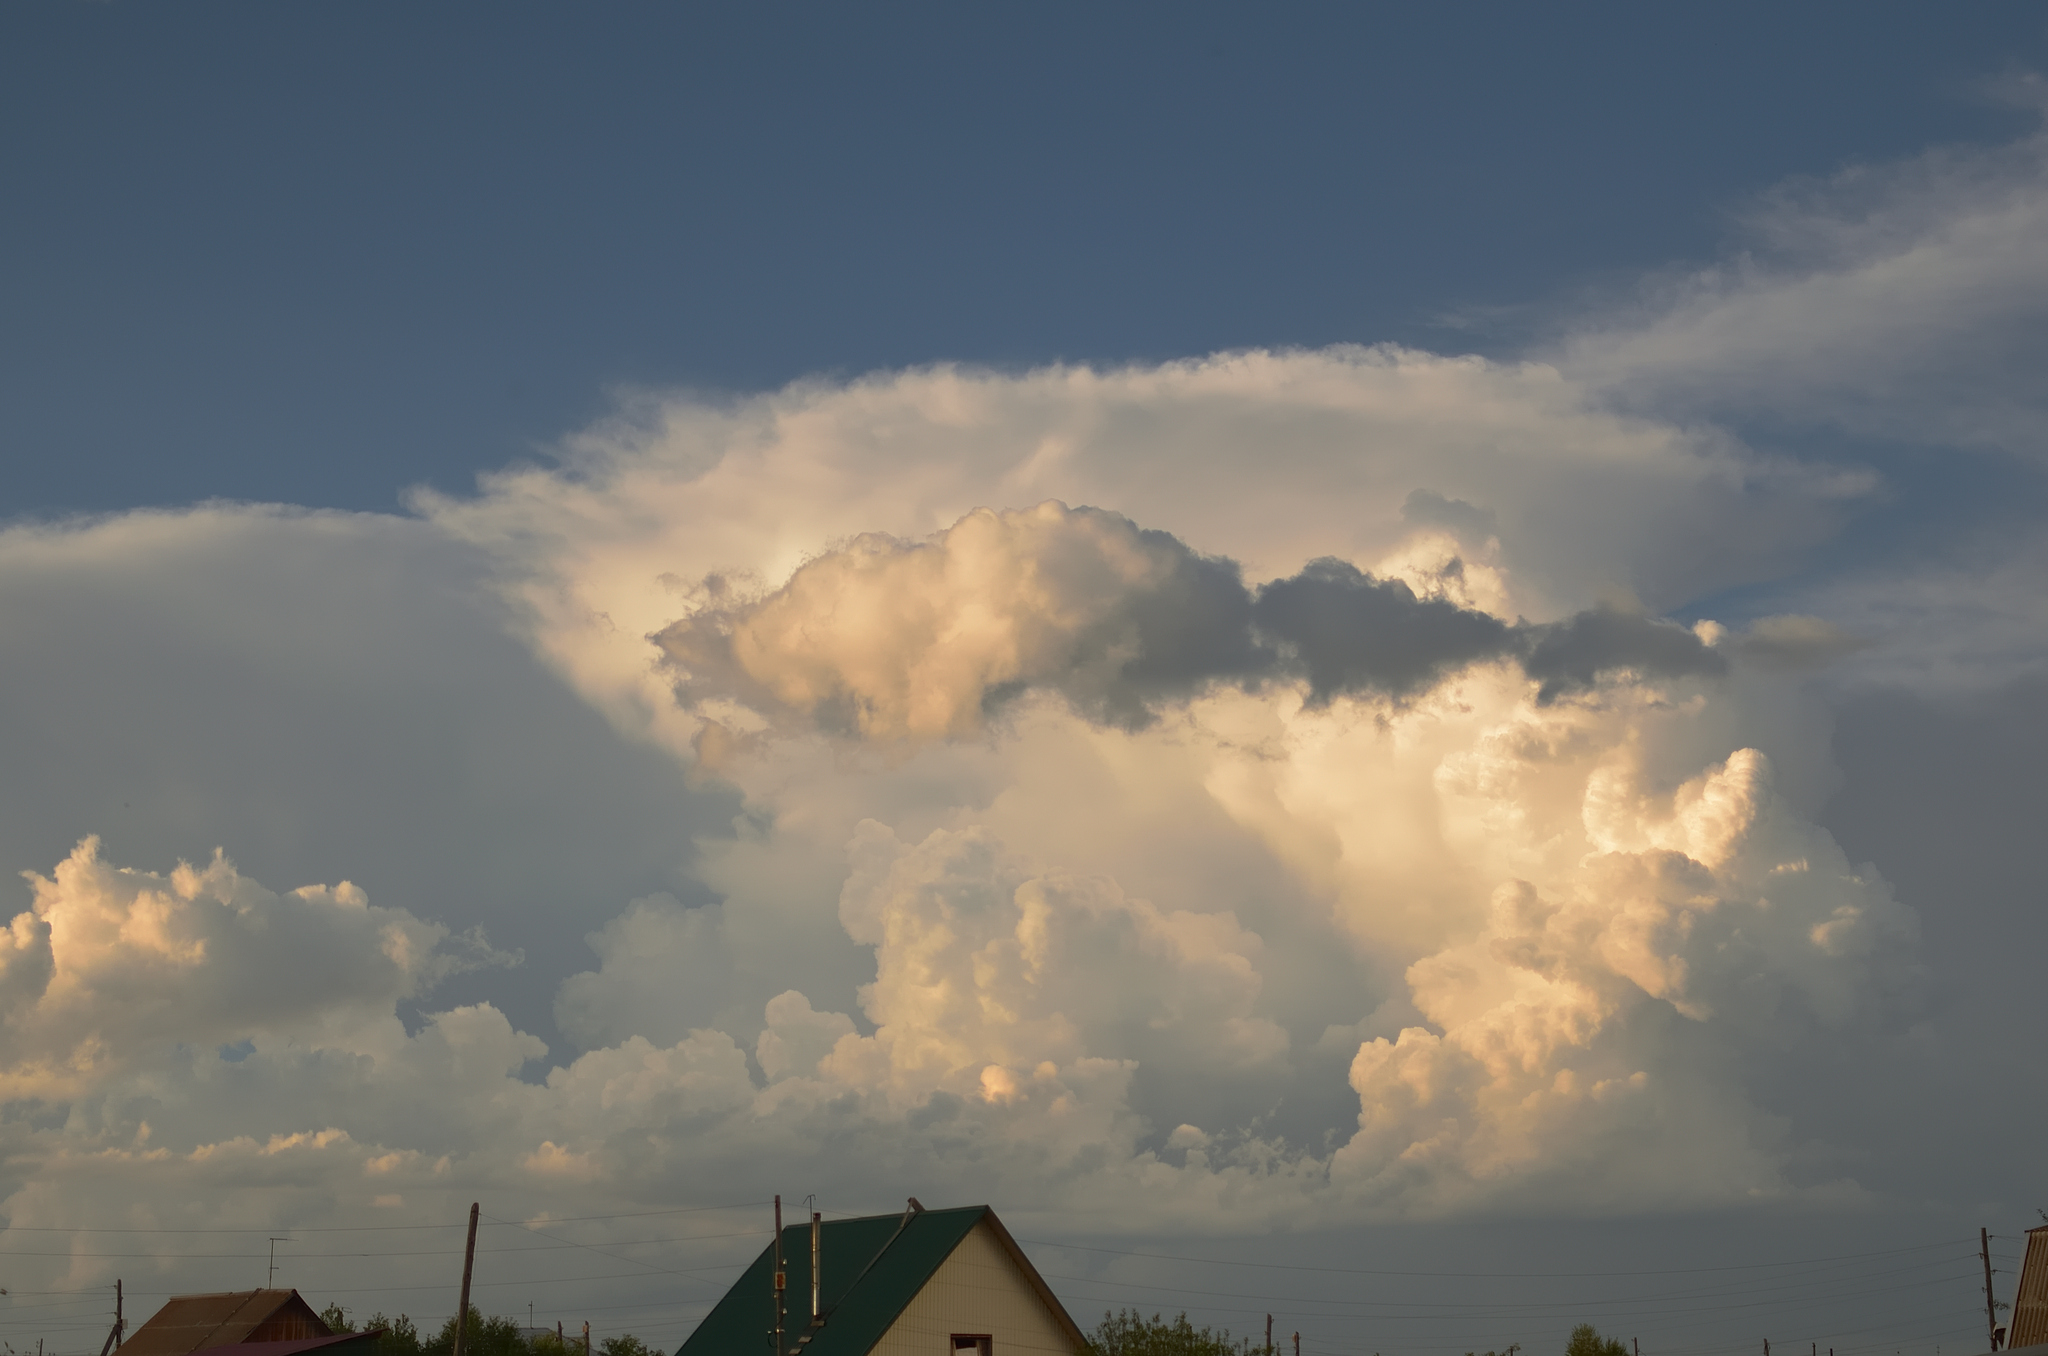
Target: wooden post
{"points": [[1990, 1308], [561, 1341], [114, 1337], [586, 1339], [468, 1262], [1269, 1335], [1297, 1344]]}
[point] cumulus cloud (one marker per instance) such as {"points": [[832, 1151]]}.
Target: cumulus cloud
{"points": [[1271, 460], [329, 695], [1031, 1029], [1090, 953], [1710, 899], [111, 965], [889, 640], [893, 639]]}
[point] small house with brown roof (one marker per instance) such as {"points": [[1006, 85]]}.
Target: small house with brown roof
{"points": [[244, 1322]]}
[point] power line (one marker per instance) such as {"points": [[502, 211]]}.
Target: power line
{"points": [[651, 1268], [1487, 1275], [353, 1228], [423, 1252], [1367, 1309]]}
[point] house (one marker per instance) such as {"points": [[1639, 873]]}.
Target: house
{"points": [[2029, 1323], [929, 1282], [243, 1323]]}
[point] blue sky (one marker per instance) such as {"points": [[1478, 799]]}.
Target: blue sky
{"points": [[315, 256], [1406, 638]]}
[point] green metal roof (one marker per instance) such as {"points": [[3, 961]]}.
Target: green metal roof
{"points": [[871, 1269]]}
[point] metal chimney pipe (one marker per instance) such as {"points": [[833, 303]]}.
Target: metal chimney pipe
{"points": [[781, 1277], [817, 1227]]}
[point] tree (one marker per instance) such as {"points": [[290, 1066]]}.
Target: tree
{"points": [[401, 1337], [1130, 1333], [482, 1337], [336, 1317], [625, 1344], [1587, 1341]]}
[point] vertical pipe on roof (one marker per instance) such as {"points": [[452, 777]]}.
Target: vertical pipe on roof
{"points": [[781, 1276]]}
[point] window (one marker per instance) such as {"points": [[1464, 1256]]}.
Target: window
{"points": [[980, 1343]]}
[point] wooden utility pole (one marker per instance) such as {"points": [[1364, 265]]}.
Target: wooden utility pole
{"points": [[1297, 1344], [586, 1339], [1269, 1335], [1990, 1305], [113, 1341], [468, 1263]]}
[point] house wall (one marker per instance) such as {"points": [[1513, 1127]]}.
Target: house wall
{"points": [[2029, 1322], [293, 1321], [977, 1289]]}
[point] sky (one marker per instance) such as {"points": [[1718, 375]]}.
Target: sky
{"points": [[1384, 664]]}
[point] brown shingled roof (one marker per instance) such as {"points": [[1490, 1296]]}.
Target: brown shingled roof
{"points": [[189, 1323]]}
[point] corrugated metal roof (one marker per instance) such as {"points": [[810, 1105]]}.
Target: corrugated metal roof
{"points": [[2029, 1322], [870, 1268], [189, 1323]]}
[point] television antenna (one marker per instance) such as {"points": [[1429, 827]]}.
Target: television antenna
{"points": [[272, 1282]]}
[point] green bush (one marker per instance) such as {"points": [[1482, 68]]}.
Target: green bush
{"points": [[400, 1337], [1586, 1341], [1130, 1333], [485, 1337]]}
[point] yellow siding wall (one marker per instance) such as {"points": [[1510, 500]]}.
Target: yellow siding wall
{"points": [[977, 1289]]}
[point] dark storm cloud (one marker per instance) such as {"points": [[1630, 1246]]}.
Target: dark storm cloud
{"points": [[1346, 632], [1572, 655], [889, 639]]}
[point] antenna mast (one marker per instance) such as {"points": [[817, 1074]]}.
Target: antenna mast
{"points": [[270, 1281]]}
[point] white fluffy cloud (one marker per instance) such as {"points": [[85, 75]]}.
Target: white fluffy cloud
{"points": [[1270, 459], [112, 966]]}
